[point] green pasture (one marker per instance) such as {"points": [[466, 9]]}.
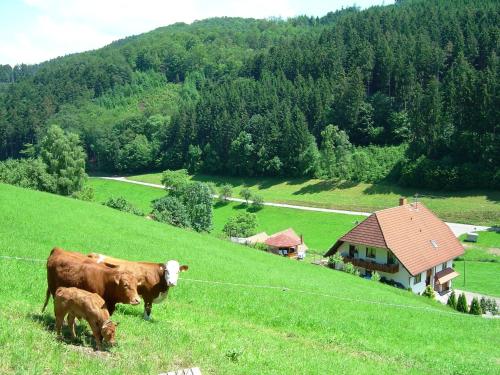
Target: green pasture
{"points": [[320, 229], [338, 323], [480, 277], [479, 207]]}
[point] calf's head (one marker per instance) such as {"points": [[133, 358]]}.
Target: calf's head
{"points": [[127, 288], [172, 270], [108, 330]]}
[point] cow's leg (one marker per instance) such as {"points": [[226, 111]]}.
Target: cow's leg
{"points": [[71, 325], [97, 335], [148, 305]]}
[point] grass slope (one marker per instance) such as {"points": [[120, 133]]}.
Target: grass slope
{"points": [[276, 331], [473, 206], [320, 229]]}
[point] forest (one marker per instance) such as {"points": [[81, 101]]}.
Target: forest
{"points": [[407, 93]]}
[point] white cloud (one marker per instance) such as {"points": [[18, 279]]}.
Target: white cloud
{"points": [[66, 26]]}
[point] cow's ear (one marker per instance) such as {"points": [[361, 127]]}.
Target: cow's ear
{"points": [[117, 279], [110, 265], [183, 268]]}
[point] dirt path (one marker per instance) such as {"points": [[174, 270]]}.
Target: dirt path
{"points": [[457, 228]]}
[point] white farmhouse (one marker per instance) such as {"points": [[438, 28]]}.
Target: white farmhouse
{"points": [[407, 244]]}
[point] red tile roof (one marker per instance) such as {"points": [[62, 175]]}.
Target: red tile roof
{"points": [[285, 238], [417, 237]]}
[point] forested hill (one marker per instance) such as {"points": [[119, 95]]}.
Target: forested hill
{"points": [[407, 92]]}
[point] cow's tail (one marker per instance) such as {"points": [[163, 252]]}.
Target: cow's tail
{"points": [[47, 296]]}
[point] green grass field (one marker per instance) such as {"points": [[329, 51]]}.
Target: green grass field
{"points": [[343, 324], [480, 207], [320, 229]]}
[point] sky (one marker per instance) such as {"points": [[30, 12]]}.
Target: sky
{"points": [[32, 31]]}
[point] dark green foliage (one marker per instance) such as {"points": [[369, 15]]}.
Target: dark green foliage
{"points": [[27, 173], [475, 308], [429, 292], [65, 160], [241, 225], [198, 202], [462, 303], [171, 210], [255, 97], [483, 304], [452, 300], [121, 204]]}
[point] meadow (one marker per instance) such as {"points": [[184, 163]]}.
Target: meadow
{"points": [[480, 207], [320, 229], [315, 320]]}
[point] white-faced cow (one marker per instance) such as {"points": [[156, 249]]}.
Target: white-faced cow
{"points": [[70, 269], [155, 278]]}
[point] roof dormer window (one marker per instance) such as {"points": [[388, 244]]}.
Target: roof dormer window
{"points": [[434, 244]]}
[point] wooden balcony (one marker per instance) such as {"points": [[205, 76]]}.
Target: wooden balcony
{"points": [[370, 265]]}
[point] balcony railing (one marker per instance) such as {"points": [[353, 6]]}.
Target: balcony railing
{"points": [[369, 265]]}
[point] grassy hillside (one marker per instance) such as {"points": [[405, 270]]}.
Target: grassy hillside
{"points": [[473, 206], [320, 229], [342, 324]]}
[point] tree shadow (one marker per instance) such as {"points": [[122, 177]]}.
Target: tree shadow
{"points": [[254, 209], [221, 203], [325, 185]]}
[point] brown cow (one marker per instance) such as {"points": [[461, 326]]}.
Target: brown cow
{"points": [[69, 269], [78, 303], [155, 278]]}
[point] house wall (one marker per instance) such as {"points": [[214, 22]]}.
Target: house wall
{"points": [[402, 276]]}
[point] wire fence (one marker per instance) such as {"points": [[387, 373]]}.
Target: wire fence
{"points": [[286, 289]]}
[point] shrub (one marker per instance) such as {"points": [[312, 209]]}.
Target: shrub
{"points": [[86, 194], [122, 204], [175, 181], [483, 304], [428, 292], [241, 225], [475, 308], [27, 173], [462, 303], [197, 199], [257, 203], [170, 210], [246, 194], [336, 259], [349, 268], [492, 306], [375, 276], [452, 300], [225, 192]]}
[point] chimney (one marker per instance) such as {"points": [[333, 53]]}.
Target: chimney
{"points": [[402, 201]]}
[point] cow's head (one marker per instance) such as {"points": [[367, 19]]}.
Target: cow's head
{"points": [[108, 330], [172, 269], [127, 287]]}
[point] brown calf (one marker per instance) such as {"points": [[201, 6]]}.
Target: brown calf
{"points": [[69, 269], [155, 278], [78, 303]]}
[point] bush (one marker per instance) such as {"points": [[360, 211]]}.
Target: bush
{"points": [[27, 173], [462, 303], [483, 304], [428, 292], [375, 276], [86, 194], [257, 203], [246, 194], [122, 204], [452, 300], [197, 199], [336, 259], [241, 225], [175, 181], [225, 192], [491, 306], [170, 210], [475, 308], [349, 268]]}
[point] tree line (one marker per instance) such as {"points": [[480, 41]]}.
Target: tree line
{"points": [[407, 92]]}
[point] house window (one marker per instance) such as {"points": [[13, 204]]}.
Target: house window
{"points": [[418, 279], [444, 265], [352, 249], [391, 259], [370, 252]]}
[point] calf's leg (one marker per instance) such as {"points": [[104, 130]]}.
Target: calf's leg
{"points": [[148, 305], [71, 325]]}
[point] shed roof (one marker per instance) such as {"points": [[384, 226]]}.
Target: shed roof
{"points": [[285, 238]]}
